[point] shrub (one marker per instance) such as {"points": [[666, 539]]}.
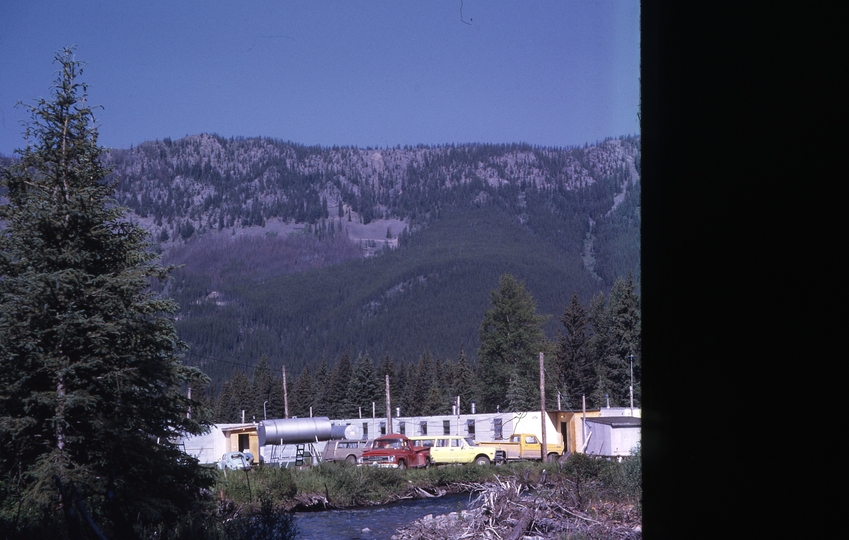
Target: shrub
{"points": [[278, 483], [269, 524]]}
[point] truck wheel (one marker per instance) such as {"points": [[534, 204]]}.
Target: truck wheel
{"points": [[482, 460], [402, 464], [552, 457], [351, 459]]}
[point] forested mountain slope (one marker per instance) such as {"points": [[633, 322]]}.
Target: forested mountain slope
{"points": [[273, 237]]}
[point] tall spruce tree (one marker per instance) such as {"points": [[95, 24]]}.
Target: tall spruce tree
{"points": [[465, 383], [437, 401], [418, 387], [624, 338], [574, 369], [321, 387], [340, 377], [362, 389], [511, 340], [92, 389], [599, 319], [303, 395], [266, 391], [239, 398]]}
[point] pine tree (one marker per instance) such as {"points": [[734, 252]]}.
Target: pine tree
{"points": [[396, 381], [623, 340], [240, 399], [405, 392], [321, 385], [338, 388], [265, 388], [465, 383], [437, 400], [362, 389], [574, 370], [598, 346], [518, 396], [222, 403], [302, 397], [417, 388], [92, 389], [511, 340], [276, 407]]}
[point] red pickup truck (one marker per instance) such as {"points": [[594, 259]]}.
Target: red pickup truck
{"points": [[395, 451]]}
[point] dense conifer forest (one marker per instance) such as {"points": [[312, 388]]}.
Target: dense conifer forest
{"points": [[273, 268]]}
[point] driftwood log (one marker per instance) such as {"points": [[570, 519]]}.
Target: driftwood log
{"points": [[510, 509], [522, 525]]}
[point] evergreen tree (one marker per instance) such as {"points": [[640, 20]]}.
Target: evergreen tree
{"points": [[302, 396], [511, 340], [338, 388], [623, 340], [465, 383], [404, 392], [575, 373], [418, 386], [276, 404], [396, 380], [264, 389], [518, 396], [222, 404], [362, 389], [92, 389], [598, 346], [321, 386], [437, 400], [240, 399]]}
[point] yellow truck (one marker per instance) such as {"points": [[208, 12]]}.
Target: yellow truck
{"points": [[456, 449], [526, 446]]}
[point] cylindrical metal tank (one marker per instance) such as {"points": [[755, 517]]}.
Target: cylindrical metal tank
{"points": [[303, 430], [294, 430], [350, 432]]}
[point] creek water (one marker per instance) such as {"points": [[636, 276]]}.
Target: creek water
{"points": [[374, 522]]}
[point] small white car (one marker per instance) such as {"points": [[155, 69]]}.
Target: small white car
{"points": [[236, 460]]}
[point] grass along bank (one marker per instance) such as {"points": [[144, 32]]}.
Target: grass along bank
{"points": [[604, 497]]}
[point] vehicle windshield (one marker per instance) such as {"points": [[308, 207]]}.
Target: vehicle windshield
{"points": [[389, 443], [470, 441]]}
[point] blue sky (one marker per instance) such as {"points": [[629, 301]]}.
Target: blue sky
{"points": [[358, 73]]}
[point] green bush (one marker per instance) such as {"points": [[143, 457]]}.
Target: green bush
{"points": [[600, 479], [269, 524]]}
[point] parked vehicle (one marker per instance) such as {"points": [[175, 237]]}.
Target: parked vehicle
{"points": [[343, 450], [526, 446], [236, 460], [395, 451], [457, 449]]}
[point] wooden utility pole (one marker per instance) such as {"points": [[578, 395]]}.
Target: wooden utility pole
{"points": [[458, 415], [388, 408], [544, 449], [584, 423], [285, 395]]}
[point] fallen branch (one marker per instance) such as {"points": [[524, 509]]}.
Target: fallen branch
{"points": [[520, 527]]}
